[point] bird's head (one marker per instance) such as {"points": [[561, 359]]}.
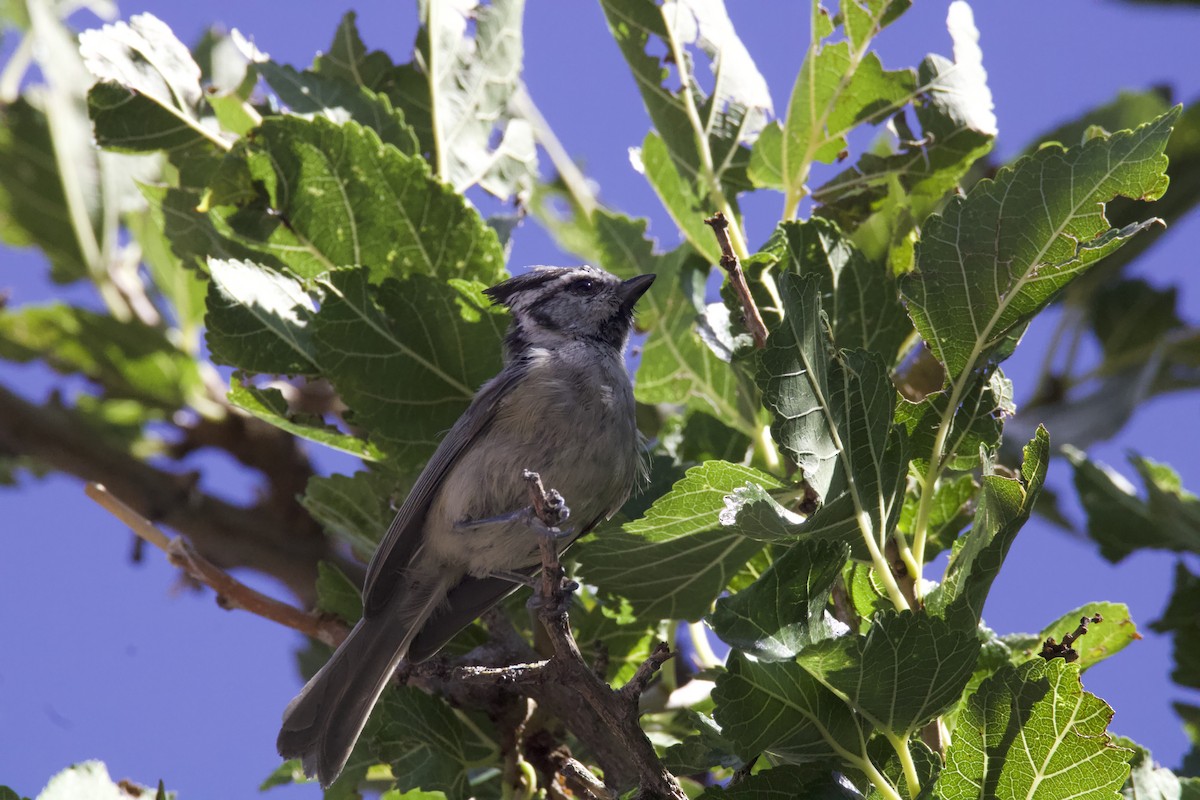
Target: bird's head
{"points": [[554, 305]]}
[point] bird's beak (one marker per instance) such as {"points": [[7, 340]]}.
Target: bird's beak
{"points": [[634, 288]]}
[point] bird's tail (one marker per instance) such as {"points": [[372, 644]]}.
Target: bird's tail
{"points": [[322, 724]]}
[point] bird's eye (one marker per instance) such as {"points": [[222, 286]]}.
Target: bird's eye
{"points": [[583, 286]]}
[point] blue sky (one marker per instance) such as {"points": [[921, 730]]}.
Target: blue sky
{"points": [[105, 659]]}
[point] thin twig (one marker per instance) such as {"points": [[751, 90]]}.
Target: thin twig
{"points": [[729, 262], [231, 593]]}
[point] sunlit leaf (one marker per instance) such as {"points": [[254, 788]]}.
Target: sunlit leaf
{"points": [[1033, 731]]}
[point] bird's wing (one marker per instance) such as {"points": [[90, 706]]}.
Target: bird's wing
{"points": [[467, 601], [463, 605], [403, 536]]}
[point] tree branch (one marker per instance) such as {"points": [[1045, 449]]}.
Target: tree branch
{"points": [[228, 535], [231, 593], [737, 279]]}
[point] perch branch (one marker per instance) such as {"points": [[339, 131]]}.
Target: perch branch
{"points": [[737, 279], [231, 593], [565, 685]]}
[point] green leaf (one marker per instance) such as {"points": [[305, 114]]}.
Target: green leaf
{"points": [[1180, 619], [611, 626], [859, 297], [778, 708], [354, 509], [1103, 639], [271, 406], [127, 359], [336, 594], [1167, 517], [1004, 506], [701, 751], [426, 743], [978, 421], [702, 135], [672, 563], [676, 366], [696, 503], [794, 377], [347, 59], [181, 289], [687, 204], [766, 158], [890, 191], [839, 86], [405, 356], [471, 80], [362, 204], [833, 418], [1129, 110], [149, 97], [1190, 714], [258, 319], [783, 611], [310, 93], [883, 754], [981, 276], [1032, 731], [706, 438], [906, 670], [34, 208]]}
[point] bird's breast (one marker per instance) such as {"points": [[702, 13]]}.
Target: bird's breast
{"points": [[574, 425]]}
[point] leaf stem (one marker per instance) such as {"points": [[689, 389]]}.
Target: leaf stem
{"points": [[572, 177], [700, 133], [900, 745], [795, 188]]}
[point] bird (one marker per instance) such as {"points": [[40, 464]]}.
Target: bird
{"points": [[562, 406]]}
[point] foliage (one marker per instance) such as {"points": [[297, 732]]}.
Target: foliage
{"points": [[320, 228]]}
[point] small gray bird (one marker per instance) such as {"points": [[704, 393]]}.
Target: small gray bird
{"points": [[562, 406]]}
